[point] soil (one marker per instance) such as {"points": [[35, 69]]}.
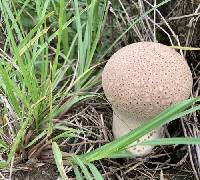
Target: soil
{"points": [[44, 172]]}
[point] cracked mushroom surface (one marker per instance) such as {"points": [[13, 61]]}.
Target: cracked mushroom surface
{"points": [[140, 81]]}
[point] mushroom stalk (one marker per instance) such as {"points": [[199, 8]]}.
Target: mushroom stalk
{"points": [[126, 124]]}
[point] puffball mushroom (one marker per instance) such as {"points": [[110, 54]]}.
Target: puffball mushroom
{"points": [[140, 81]]}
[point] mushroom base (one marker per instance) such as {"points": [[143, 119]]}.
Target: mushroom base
{"points": [[123, 126]]}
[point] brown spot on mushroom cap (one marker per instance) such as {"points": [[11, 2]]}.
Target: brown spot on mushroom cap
{"points": [[143, 79]]}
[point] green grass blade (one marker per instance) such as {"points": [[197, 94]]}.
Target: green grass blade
{"points": [[80, 39], [17, 14], [83, 75], [65, 34], [34, 30], [6, 8], [21, 10], [122, 154], [58, 159], [18, 139], [88, 33], [60, 24], [68, 133], [59, 76], [84, 169], [3, 145], [23, 126], [10, 86], [171, 141], [92, 36], [65, 25], [32, 41], [67, 106], [98, 34], [3, 164], [44, 9], [37, 138], [77, 173], [97, 175]]}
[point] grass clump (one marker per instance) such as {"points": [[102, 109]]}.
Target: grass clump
{"points": [[39, 86]]}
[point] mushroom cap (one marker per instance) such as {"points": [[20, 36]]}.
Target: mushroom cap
{"points": [[142, 79]]}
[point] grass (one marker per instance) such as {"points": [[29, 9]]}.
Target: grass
{"points": [[52, 60]]}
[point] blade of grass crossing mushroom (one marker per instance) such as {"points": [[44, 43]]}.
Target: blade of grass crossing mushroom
{"points": [[121, 143], [171, 141], [58, 159], [181, 114], [161, 141]]}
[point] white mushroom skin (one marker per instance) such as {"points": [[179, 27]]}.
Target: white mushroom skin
{"points": [[140, 81]]}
